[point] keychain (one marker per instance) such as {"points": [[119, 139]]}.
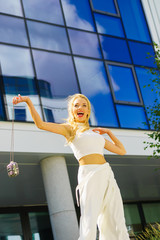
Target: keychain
{"points": [[12, 167]]}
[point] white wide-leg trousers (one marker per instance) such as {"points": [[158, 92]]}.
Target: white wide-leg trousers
{"points": [[101, 204]]}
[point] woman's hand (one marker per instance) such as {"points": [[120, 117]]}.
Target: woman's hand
{"points": [[101, 130], [115, 146], [19, 99]]}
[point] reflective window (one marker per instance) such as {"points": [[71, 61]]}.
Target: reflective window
{"points": [[18, 75], [134, 20], [123, 83], [85, 44], [11, 228], [15, 61], [20, 114], [40, 226], [48, 37], [78, 14], [45, 88], [16, 85], [133, 220], [56, 73], [94, 84], [106, 6], [109, 25], [151, 212], [48, 115], [131, 116], [47, 11], [144, 78], [2, 115], [115, 49], [11, 7], [139, 54], [12, 30]]}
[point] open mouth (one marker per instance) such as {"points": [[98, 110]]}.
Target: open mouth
{"points": [[80, 114]]}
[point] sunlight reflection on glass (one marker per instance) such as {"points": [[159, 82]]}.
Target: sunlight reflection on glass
{"points": [[78, 14]]}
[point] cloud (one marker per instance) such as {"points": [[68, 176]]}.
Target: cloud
{"points": [[72, 17], [92, 76]]}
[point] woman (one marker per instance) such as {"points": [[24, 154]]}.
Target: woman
{"points": [[100, 198]]}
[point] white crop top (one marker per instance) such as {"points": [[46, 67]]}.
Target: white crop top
{"points": [[87, 142]]}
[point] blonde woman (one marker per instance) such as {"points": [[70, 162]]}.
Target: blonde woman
{"points": [[99, 196]]}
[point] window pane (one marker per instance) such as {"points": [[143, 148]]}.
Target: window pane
{"points": [[47, 11], [2, 115], [11, 7], [131, 117], [48, 37], [57, 80], [134, 20], [12, 30], [139, 54], [109, 25], [94, 84], [40, 226], [49, 68], [10, 226], [107, 6], [25, 86], [132, 217], [123, 83], [151, 212], [48, 115], [78, 14], [115, 49], [20, 114], [15, 61], [16, 85], [85, 44], [18, 77], [144, 78]]}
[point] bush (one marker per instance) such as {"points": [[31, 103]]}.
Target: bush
{"points": [[151, 232]]}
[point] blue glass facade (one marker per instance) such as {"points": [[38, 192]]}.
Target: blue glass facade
{"points": [[50, 51]]}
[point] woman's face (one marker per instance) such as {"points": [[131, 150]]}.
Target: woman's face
{"points": [[80, 109]]}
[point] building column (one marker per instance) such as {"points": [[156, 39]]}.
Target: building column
{"points": [[59, 197]]}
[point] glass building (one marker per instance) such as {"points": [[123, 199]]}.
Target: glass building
{"points": [[50, 49]]}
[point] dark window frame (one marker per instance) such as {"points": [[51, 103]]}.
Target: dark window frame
{"points": [[135, 81], [24, 217], [104, 12]]}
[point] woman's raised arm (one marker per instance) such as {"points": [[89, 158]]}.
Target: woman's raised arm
{"points": [[62, 129], [116, 146]]}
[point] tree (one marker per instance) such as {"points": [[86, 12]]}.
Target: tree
{"points": [[154, 111]]}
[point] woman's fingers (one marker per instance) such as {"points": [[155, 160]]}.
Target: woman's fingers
{"points": [[16, 100], [101, 130], [97, 130]]}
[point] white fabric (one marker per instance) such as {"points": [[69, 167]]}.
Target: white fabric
{"points": [[87, 142], [101, 203]]}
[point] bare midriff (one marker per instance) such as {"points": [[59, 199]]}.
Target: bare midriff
{"points": [[92, 159]]}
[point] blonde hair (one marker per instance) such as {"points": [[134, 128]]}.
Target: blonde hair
{"points": [[71, 121]]}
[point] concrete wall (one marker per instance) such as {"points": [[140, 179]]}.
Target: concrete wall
{"points": [[29, 139]]}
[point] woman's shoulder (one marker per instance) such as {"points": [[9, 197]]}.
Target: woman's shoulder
{"points": [[67, 126], [69, 129]]}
